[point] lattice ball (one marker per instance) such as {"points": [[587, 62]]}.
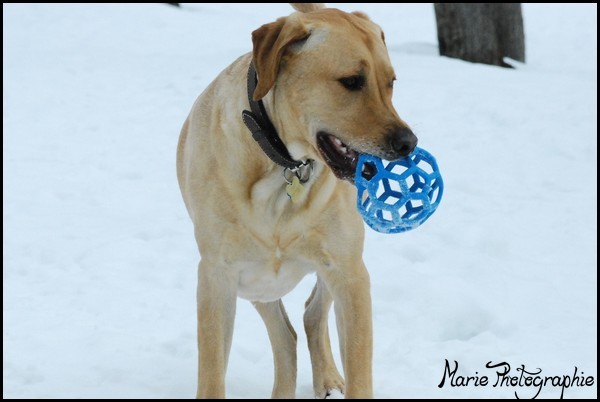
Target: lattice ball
{"points": [[400, 195]]}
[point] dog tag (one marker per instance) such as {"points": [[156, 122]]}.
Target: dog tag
{"points": [[295, 189]]}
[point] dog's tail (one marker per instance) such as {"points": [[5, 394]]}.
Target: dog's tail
{"points": [[307, 7]]}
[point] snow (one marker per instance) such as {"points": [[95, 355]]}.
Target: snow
{"points": [[98, 251]]}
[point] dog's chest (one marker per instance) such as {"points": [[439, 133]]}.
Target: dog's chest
{"points": [[271, 264], [272, 276], [278, 244], [268, 270]]}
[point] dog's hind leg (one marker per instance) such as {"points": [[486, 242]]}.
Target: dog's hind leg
{"points": [[283, 341], [326, 377]]}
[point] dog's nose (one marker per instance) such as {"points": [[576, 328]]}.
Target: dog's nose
{"points": [[402, 141]]}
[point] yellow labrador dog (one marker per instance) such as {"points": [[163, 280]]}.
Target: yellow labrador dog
{"points": [[265, 163]]}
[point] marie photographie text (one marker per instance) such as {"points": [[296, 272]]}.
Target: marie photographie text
{"points": [[526, 382]]}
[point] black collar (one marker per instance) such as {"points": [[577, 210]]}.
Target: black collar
{"points": [[263, 131]]}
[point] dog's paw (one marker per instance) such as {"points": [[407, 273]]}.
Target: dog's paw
{"points": [[334, 394], [331, 386]]}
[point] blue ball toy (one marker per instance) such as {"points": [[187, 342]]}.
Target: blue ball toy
{"points": [[400, 195]]}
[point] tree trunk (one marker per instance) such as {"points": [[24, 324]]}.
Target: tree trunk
{"points": [[481, 32]]}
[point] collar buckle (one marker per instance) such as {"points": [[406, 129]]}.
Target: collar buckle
{"points": [[302, 172]]}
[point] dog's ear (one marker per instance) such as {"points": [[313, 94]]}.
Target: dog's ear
{"points": [[308, 7], [362, 15], [269, 44]]}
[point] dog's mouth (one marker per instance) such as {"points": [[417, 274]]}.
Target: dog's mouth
{"points": [[340, 158]]}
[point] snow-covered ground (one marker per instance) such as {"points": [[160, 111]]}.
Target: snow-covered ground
{"points": [[98, 251]]}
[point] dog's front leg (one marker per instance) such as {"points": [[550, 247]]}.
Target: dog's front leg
{"points": [[216, 299], [326, 377], [352, 302]]}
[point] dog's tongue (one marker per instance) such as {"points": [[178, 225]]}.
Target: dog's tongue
{"points": [[342, 148]]}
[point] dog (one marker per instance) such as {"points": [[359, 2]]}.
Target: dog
{"points": [[269, 191]]}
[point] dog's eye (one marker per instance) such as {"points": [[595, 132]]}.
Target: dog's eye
{"points": [[392, 82], [353, 83]]}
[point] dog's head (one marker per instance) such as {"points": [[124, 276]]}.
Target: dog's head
{"points": [[332, 79]]}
